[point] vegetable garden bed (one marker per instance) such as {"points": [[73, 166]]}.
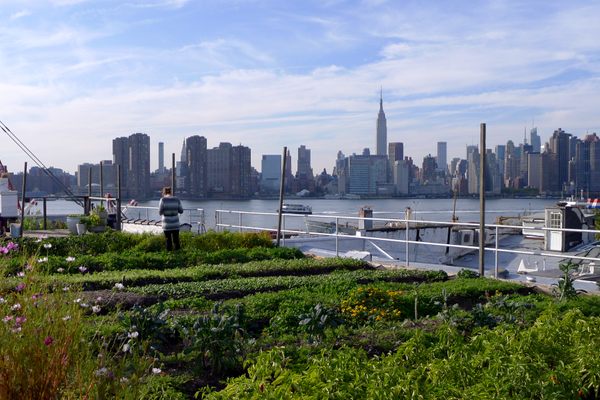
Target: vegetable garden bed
{"points": [[229, 316]]}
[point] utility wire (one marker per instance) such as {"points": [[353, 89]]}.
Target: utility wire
{"points": [[39, 162]]}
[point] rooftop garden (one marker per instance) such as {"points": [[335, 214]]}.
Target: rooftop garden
{"points": [[230, 316]]}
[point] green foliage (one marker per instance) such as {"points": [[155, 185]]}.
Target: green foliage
{"points": [[565, 289], [467, 274], [217, 338], [317, 320], [554, 358]]}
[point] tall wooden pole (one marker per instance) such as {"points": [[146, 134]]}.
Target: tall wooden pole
{"points": [[118, 227], [23, 190], [482, 170], [173, 181], [89, 200], [281, 192], [101, 180]]}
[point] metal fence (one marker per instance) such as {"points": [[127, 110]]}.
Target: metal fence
{"points": [[243, 221]]}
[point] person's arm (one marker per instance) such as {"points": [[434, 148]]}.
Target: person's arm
{"points": [[180, 208], [161, 208]]}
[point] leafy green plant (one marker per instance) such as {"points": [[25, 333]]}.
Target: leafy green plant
{"points": [[217, 338], [467, 274], [565, 289], [317, 320]]}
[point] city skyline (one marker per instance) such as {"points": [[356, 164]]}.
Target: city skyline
{"points": [[81, 73]]}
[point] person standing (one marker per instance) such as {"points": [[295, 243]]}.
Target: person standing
{"points": [[169, 208]]}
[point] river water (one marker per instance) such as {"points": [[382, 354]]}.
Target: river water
{"points": [[467, 210]]}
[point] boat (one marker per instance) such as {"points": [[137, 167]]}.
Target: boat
{"points": [[295, 209]]}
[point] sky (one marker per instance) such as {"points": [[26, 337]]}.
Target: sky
{"points": [[74, 74]]}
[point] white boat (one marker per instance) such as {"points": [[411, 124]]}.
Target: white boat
{"points": [[295, 209]]}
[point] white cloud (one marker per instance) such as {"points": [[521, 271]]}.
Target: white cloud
{"points": [[19, 14]]}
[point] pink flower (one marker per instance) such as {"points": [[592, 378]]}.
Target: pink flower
{"points": [[20, 274], [20, 287], [20, 320], [7, 318], [82, 269], [49, 340]]}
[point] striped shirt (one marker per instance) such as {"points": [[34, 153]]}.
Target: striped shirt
{"points": [[170, 208]]}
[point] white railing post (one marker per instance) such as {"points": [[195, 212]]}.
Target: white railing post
{"points": [[239, 222], [283, 230], [496, 255], [337, 235], [407, 246]]}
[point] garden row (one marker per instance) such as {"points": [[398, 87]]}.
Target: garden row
{"points": [[280, 328]]}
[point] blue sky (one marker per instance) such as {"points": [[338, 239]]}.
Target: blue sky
{"points": [[74, 74]]}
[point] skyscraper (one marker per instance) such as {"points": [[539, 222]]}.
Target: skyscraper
{"points": [[196, 184], [381, 129], [120, 151], [161, 156], [304, 172], [270, 173], [535, 141], [442, 161], [138, 172]]}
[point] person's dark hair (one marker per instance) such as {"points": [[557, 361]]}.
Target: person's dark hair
{"points": [[166, 190]]}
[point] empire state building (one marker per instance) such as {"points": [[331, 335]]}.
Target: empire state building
{"points": [[381, 129]]}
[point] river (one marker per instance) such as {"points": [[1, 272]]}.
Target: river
{"points": [[467, 210]]}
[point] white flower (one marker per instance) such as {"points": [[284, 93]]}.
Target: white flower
{"points": [[66, 289], [133, 335], [43, 259], [156, 370], [20, 274], [2, 301], [82, 269], [47, 246], [98, 299], [16, 307], [70, 259], [124, 380], [119, 286], [102, 371], [77, 300], [84, 305], [96, 309], [126, 348], [61, 270], [66, 318]]}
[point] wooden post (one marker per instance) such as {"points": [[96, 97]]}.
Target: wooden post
{"points": [[45, 223], [281, 192], [23, 190], [118, 227], [482, 170], [101, 181], [173, 176], [89, 200]]}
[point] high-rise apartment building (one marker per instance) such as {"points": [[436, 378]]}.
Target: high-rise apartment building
{"points": [[241, 172], [304, 173], [120, 151], [560, 145], [133, 155], [218, 170], [138, 172], [381, 129], [196, 184]]}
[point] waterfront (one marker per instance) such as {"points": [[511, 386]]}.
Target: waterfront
{"points": [[467, 210]]}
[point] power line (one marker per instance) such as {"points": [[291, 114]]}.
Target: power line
{"points": [[38, 162]]}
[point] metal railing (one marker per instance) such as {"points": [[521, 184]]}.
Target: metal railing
{"points": [[234, 220], [194, 216]]}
